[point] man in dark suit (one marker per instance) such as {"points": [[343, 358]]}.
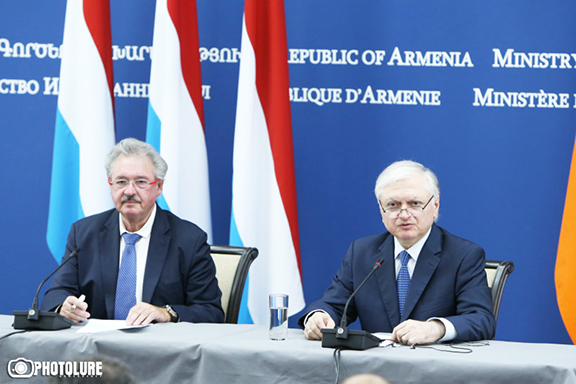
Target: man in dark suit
{"points": [[136, 262], [431, 286]]}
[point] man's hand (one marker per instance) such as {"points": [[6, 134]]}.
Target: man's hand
{"points": [[77, 313], [315, 323], [144, 313], [412, 332]]}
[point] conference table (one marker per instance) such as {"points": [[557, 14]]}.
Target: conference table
{"points": [[230, 353]]}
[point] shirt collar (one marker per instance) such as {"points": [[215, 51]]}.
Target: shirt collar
{"points": [[146, 229], [414, 250]]}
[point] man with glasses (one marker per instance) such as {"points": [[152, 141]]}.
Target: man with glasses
{"points": [[431, 286], [136, 262]]}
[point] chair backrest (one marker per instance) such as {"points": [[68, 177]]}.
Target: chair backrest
{"points": [[232, 264], [497, 273]]}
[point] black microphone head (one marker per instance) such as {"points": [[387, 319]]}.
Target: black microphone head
{"points": [[72, 254]]}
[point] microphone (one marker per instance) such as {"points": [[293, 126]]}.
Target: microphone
{"points": [[345, 338], [43, 320]]}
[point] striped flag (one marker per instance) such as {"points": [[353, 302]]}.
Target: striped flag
{"points": [[176, 114], [566, 258], [84, 121], [264, 211]]}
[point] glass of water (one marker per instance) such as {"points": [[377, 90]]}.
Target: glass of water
{"points": [[278, 316]]}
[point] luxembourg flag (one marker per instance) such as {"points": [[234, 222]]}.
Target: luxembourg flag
{"points": [[84, 121], [264, 213], [566, 257], [176, 114]]}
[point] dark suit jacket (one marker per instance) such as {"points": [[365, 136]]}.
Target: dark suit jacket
{"points": [[449, 281], [179, 268]]}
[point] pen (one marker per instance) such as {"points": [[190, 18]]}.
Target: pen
{"points": [[81, 298]]}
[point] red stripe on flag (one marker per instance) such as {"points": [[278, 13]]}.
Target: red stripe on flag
{"points": [[184, 16], [97, 16], [266, 27], [566, 257]]}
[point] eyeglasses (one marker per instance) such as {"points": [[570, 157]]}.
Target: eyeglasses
{"points": [[394, 208], [122, 184]]}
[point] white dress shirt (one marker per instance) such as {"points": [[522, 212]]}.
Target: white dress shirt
{"points": [[141, 246]]}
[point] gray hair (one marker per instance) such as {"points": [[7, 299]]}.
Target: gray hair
{"points": [[134, 147], [404, 169]]}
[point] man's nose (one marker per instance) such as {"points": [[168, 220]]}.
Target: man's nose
{"points": [[405, 211], [130, 189]]}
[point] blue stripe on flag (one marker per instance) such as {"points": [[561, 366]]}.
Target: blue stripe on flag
{"points": [[153, 133], [65, 204], [153, 128], [235, 240], [244, 314]]}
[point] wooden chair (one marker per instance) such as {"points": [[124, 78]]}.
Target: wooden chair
{"points": [[232, 264], [497, 273]]}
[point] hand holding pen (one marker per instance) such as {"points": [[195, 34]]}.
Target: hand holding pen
{"points": [[74, 308], [81, 299]]}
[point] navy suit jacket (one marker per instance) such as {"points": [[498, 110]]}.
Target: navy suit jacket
{"points": [[179, 269], [449, 281]]}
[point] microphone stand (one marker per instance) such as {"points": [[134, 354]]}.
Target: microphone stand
{"points": [[344, 338], [43, 320]]}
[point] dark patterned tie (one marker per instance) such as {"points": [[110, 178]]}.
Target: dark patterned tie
{"points": [[403, 280], [126, 285]]}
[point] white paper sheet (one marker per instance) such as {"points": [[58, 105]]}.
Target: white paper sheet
{"points": [[385, 337], [98, 325]]}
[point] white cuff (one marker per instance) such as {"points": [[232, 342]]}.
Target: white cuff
{"points": [[311, 313], [450, 330]]}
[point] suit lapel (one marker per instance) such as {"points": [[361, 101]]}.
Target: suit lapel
{"points": [[109, 256], [428, 261], [157, 253], [387, 280]]}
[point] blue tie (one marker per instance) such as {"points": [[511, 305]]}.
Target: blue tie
{"points": [[403, 280], [126, 285]]}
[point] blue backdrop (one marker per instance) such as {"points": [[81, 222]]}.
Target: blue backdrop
{"points": [[481, 92]]}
